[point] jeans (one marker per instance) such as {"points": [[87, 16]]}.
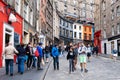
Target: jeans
{"points": [[56, 62], [29, 61], [21, 60], [34, 61], [71, 65], [39, 62], [9, 62]]}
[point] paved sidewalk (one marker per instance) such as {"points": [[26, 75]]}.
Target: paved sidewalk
{"points": [[32, 74]]}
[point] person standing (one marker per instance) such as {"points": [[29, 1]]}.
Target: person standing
{"points": [[96, 50], [70, 57], [21, 58], [9, 57], [89, 52], [75, 50], [39, 58], [29, 53], [34, 57], [47, 52], [55, 55], [83, 57]]}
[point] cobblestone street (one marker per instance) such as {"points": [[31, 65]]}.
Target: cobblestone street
{"points": [[100, 68]]}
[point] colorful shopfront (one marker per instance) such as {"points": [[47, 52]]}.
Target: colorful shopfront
{"points": [[97, 40], [10, 28]]}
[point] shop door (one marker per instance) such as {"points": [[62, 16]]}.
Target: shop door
{"points": [[105, 48], [8, 36], [118, 42]]}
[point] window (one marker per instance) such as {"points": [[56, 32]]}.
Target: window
{"points": [[104, 34], [103, 5], [79, 27], [71, 26], [25, 11], [63, 23], [85, 36], [71, 34], [89, 29], [112, 14], [38, 4], [37, 27], [67, 33], [60, 21], [112, 1], [118, 11], [64, 32], [60, 31], [17, 6], [104, 19], [67, 24], [65, 10], [79, 35], [113, 31], [74, 26], [75, 34], [85, 29], [89, 36], [118, 28], [31, 17]]}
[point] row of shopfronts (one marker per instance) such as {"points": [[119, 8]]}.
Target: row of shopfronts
{"points": [[14, 29], [105, 46]]}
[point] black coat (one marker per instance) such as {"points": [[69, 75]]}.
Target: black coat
{"points": [[70, 55]]}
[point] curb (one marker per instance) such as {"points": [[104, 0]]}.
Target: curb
{"points": [[45, 71], [108, 56]]}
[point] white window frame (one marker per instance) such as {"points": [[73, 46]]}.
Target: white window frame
{"points": [[103, 5], [104, 33], [118, 28], [112, 12], [18, 6], [113, 31]]}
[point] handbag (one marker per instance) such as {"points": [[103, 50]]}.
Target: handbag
{"points": [[36, 53]]}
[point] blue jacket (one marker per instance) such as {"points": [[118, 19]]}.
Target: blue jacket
{"points": [[55, 52], [40, 51]]}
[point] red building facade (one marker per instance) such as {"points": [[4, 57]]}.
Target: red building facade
{"points": [[9, 31], [97, 40]]}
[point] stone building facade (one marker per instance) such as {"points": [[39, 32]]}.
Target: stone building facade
{"points": [[108, 25]]}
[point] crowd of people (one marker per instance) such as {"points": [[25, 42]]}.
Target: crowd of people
{"points": [[33, 55], [81, 52]]}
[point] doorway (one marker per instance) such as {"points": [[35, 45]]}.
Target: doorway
{"points": [[8, 36], [118, 43], [7, 39], [105, 52]]}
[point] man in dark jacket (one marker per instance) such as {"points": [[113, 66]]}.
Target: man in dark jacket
{"points": [[21, 58], [29, 53]]}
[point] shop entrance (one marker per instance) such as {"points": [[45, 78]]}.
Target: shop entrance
{"points": [[118, 43], [8, 36]]}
